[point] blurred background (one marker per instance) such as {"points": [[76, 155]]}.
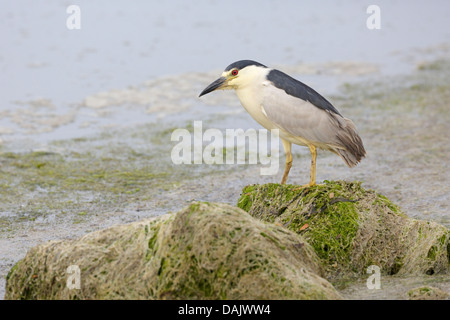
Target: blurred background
{"points": [[49, 73]]}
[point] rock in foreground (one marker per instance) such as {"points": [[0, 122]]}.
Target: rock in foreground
{"points": [[206, 251], [351, 228]]}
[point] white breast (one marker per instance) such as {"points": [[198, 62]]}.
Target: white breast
{"points": [[252, 101]]}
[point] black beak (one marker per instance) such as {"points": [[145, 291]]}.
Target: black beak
{"points": [[214, 86]]}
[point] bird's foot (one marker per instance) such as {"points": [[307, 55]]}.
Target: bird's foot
{"points": [[307, 186]]}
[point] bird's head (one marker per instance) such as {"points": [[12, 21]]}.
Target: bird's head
{"points": [[237, 75]]}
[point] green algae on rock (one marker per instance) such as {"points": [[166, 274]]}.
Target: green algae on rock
{"points": [[427, 293], [351, 228], [205, 251]]}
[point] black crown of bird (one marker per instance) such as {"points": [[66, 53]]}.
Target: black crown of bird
{"points": [[302, 116]]}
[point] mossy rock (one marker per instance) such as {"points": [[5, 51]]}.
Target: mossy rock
{"points": [[351, 228], [206, 251], [428, 293]]}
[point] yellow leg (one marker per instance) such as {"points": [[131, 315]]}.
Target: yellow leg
{"points": [[312, 179], [287, 149]]}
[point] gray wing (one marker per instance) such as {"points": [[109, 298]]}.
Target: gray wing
{"points": [[299, 117], [323, 128]]}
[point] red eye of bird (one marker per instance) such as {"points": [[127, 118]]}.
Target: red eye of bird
{"points": [[234, 72]]}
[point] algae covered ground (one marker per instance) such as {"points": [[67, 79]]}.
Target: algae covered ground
{"points": [[218, 251], [352, 228], [205, 251], [74, 186], [74, 179]]}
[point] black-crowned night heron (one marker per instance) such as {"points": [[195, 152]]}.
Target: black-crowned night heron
{"points": [[302, 116]]}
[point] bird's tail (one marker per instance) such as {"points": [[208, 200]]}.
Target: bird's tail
{"points": [[353, 149]]}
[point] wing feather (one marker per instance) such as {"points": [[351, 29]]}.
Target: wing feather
{"points": [[302, 122], [299, 117]]}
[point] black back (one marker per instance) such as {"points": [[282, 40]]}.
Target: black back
{"points": [[300, 90]]}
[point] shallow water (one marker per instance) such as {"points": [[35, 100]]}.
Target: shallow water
{"points": [[109, 95]]}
